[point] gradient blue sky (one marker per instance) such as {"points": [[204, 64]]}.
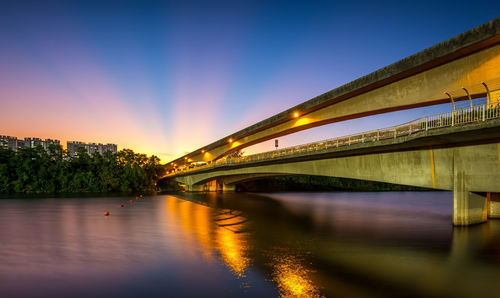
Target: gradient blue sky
{"points": [[167, 77]]}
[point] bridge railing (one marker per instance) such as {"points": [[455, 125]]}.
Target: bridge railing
{"points": [[452, 118]]}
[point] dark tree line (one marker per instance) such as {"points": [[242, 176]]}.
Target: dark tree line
{"points": [[34, 170], [319, 183]]}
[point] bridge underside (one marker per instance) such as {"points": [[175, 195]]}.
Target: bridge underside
{"points": [[472, 172]]}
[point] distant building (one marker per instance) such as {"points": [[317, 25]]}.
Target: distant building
{"points": [[110, 147], [20, 144], [8, 142], [46, 144], [72, 147], [91, 148], [34, 142]]}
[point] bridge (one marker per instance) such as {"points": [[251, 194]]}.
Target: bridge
{"points": [[458, 150]]}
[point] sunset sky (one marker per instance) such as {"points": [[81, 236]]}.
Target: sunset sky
{"points": [[167, 77]]}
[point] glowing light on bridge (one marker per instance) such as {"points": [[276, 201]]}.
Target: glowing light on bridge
{"points": [[208, 156], [296, 114], [235, 144], [302, 121]]}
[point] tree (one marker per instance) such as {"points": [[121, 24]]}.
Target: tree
{"points": [[34, 170]]}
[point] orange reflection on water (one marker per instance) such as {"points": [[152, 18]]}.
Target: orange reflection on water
{"points": [[223, 232], [215, 231], [233, 248], [195, 222], [201, 224], [292, 277]]}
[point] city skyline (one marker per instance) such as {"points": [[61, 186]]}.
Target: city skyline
{"points": [[167, 78], [54, 139], [14, 143]]}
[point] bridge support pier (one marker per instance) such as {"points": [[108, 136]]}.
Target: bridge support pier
{"points": [[228, 187], [493, 205], [195, 188], [468, 208], [212, 186], [225, 187]]}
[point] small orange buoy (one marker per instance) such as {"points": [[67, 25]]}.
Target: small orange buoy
{"points": [[106, 213], [122, 205]]}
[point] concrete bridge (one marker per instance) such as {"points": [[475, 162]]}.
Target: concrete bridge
{"points": [[463, 157], [456, 151], [433, 76]]}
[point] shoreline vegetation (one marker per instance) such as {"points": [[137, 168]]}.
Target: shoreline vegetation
{"points": [[37, 171]]}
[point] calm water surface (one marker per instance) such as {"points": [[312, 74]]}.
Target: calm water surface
{"points": [[250, 245]]}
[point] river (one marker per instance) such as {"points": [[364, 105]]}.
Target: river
{"points": [[337, 244]]}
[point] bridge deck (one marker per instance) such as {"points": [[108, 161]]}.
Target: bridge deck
{"points": [[475, 125], [419, 80]]}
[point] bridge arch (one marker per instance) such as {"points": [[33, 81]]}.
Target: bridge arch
{"points": [[220, 182]]}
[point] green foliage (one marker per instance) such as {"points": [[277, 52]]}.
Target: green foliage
{"points": [[34, 170]]}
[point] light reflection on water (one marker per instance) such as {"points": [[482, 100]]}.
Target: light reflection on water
{"points": [[292, 276], [217, 231], [290, 244]]}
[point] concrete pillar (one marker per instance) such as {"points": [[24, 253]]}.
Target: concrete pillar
{"points": [[225, 187], [468, 208], [493, 205], [228, 187], [195, 187], [219, 186], [211, 185]]}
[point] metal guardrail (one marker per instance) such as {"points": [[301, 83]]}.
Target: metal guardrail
{"points": [[458, 117]]}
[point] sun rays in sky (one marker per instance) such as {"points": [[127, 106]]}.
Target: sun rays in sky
{"points": [[166, 78]]}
